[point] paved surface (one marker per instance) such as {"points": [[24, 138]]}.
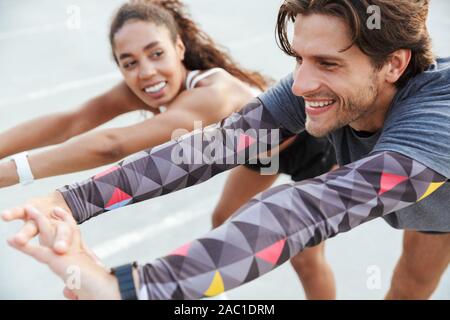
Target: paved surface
{"points": [[46, 67]]}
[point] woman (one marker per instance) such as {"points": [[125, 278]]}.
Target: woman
{"points": [[159, 52], [163, 56]]}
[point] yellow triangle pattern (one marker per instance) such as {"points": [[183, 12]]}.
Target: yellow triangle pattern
{"points": [[432, 188], [217, 287]]}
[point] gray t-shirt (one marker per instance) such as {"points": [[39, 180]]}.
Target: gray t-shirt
{"points": [[417, 125]]}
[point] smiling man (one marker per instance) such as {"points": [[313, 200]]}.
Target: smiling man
{"points": [[339, 84], [355, 83], [382, 99]]}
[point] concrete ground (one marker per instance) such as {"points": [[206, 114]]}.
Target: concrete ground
{"points": [[49, 63]]}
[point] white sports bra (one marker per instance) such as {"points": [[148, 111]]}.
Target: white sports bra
{"points": [[194, 77]]}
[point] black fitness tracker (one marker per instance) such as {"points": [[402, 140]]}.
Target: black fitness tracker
{"points": [[124, 275]]}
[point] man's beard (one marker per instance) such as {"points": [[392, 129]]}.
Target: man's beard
{"points": [[355, 108]]}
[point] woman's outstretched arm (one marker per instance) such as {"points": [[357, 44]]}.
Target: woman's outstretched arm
{"points": [[110, 145], [59, 127]]}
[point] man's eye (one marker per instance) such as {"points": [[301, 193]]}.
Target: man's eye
{"points": [[328, 64]]}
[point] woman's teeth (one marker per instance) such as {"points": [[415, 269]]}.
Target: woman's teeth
{"points": [[320, 104], [156, 88]]}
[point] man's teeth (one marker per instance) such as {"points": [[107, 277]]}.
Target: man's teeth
{"points": [[156, 87], [320, 104]]}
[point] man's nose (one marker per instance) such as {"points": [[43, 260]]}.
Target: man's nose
{"points": [[305, 80]]}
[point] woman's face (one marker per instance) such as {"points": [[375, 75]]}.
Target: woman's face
{"points": [[150, 62]]}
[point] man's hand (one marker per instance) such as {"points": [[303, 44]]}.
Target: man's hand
{"points": [[94, 280], [46, 207]]}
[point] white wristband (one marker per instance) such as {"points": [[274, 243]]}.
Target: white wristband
{"points": [[23, 168]]}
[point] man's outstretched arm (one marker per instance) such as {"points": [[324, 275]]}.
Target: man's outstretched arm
{"points": [[280, 222], [178, 164]]}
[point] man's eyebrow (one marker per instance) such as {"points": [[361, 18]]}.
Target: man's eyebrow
{"points": [[321, 57], [328, 57], [147, 47]]}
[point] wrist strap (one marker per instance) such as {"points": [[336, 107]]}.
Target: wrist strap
{"points": [[124, 275], [23, 168]]}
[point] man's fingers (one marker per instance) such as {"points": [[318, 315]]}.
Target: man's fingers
{"points": [[14, 214], [63, 238], [26, 233], [69, 294], [40, 253], [41, 220], [6, 215], [65, 216], [70, 222]]}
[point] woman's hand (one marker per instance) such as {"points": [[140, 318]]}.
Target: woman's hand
{"points": [[45, 206], [83, 274]]}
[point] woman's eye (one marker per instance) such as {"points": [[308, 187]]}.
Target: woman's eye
{"points": [[157, 54], [299, 60], [129, 65]]}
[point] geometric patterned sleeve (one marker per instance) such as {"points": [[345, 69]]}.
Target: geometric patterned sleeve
{"points": [[180, 163], [282, 221]]}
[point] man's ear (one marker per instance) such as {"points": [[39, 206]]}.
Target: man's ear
{"points": [[397, 64], [181, 49]]}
